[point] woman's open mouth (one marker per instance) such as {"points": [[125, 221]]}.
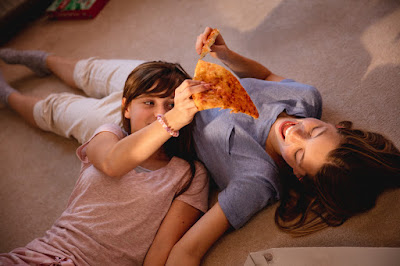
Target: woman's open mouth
{"points": [[286, 127]]}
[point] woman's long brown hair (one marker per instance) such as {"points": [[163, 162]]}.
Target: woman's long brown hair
{"points": [[363, 166]]}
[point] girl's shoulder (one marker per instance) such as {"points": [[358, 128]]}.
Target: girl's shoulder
{"points": [[113, 128], [179, 162]]}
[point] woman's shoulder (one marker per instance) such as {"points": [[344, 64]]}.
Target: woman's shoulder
{"points": [[252, 83], [285, 91]]}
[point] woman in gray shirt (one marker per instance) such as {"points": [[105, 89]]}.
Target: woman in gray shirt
{"points": [[287, 153]]}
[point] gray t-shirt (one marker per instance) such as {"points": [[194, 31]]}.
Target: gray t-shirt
{"points": [[232, 146]]}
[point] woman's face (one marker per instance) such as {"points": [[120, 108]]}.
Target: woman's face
{"points": [[304, 143], [143, 110]]}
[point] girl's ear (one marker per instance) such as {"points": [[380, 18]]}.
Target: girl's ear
{"points": [[126, 108]]}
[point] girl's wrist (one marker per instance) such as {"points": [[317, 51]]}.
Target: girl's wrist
{"points": [[172, 118], [164, 123]]}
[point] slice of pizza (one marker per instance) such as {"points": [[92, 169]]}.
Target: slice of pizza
{"points": [[209, 42], [226, 91]]}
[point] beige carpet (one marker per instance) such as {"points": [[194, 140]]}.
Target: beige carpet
{"points": [[350, 50]]}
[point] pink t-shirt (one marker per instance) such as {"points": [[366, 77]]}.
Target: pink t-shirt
{"points": [[113, 221]]}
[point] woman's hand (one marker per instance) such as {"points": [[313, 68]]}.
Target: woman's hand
{"points": [[242, 66], [184, 107], [219, 49]]}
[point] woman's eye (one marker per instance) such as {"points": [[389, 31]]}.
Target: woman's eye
{"points": [[298, 156], [313, 131]]}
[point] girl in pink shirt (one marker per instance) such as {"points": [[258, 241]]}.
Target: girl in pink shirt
{"points": [[137, 193]]}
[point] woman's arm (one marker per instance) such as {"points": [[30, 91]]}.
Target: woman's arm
{"points": [[203, 234], [117, 157], [242, 66], [180, 217]]}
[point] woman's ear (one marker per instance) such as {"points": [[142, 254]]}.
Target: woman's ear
{"points": [[299, 174], [126, 108]]}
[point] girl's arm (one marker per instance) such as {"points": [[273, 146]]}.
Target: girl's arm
{"points": [[203, 234], [117, 157], [242, 66], [180, 217]]}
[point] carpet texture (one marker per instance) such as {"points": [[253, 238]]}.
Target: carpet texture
{"points": [[349, 50]]}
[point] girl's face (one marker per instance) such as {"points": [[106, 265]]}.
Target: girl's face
{"points": [[304, 143], [143, 110]]}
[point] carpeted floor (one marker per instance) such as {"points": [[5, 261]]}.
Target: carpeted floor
{"points": [[349, 50]]}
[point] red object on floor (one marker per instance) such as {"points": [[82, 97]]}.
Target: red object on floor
{"points": [[75, 9]]}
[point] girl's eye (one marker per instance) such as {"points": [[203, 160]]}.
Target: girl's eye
{"points": [[170, 106], [149, 103]]}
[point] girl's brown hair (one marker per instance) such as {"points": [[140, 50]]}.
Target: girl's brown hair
{"points": [[160, 79], [165, 76], [363, 166]]}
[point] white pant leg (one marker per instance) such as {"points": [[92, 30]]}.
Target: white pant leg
{"points": [[101, 77], [71, 115]]}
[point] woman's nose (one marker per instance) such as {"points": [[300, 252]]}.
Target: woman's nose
{"points": [[299, 133]]}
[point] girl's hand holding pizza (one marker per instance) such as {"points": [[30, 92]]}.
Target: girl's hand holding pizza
{"points": [[184, 107]]}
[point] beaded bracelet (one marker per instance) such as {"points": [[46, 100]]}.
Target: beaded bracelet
{"points": [[160, 118]]}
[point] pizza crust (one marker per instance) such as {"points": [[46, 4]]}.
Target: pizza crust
{"points": [[210, 41]]}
